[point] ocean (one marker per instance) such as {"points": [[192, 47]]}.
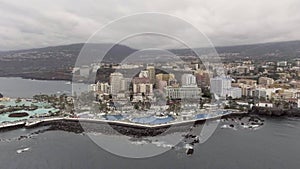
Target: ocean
{"points": [[274, 145]]}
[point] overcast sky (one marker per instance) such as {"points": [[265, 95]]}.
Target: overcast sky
{"points": [[40, 23]]}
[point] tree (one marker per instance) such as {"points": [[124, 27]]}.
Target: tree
{"points": [[136, 106]]}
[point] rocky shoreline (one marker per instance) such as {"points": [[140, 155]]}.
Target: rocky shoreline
{"points": [[138, 130], [276, 112], [112, 128]]}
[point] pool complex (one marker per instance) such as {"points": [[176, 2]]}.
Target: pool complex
{"points": [[43, 108]]}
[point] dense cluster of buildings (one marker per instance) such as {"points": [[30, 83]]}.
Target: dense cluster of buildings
{"points": [[266, 83], [147, 83]]}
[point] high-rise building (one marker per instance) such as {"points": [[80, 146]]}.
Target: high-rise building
{"points": [[115, 82], [125, 84], [222, 87], [151, 70], [188, 80]]}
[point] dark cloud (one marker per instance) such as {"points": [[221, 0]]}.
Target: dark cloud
{"points": [[35, 23]]}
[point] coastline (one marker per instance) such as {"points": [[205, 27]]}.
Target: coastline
{"points": [[80, 124]]}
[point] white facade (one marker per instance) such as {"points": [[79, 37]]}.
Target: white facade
{"points": [[115, 82], [282, 63], [144, 73], [146, 88], [261, 104], [185, 92], [234, 92], [103, 87], [124, 84], [220, 85], [188, 80]]}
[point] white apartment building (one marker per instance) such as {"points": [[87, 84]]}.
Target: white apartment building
{"points": [[219, 85], [222, 87], [103, 87], [185, 92], [188, 80], [115, 82]]}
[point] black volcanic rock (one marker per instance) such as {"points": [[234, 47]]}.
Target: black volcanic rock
{"points": [[1, 96], [266, 111], [22, 114]]}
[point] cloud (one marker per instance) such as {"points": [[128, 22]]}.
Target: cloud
{"points": [[35, 23]]}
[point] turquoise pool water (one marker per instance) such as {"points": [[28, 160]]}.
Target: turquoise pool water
{"points": [[152, 120], [113, 117], [41, 110], [201, 116]]}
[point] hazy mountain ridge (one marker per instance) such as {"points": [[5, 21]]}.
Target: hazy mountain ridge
{"points": [[289, 49], [59, 60]]}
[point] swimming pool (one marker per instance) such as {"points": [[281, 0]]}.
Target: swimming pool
{"points": [[152, 120], [113, 117], [39, 111]]}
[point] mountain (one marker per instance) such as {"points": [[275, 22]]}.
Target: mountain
{"points": [[274, 51], [56, 62]]}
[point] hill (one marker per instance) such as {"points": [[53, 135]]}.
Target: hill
{"points": [[56, 62]]}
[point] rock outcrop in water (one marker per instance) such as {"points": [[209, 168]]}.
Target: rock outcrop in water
{"points": [[1, 96]]}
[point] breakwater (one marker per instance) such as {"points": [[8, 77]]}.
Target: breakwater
{"points": [[79, 125]]}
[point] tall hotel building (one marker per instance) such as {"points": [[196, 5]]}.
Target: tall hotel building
{"points": [[151, 70], [222, 87], [115, 83]]}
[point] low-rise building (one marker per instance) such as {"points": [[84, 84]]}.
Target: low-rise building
{"points": [[265, 81], [142, 86], [185, 92], [264, 104], [247, 82]]}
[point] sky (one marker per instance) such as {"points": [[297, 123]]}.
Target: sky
{"points": [[40, 23]]}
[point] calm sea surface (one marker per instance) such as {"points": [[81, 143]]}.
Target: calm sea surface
{"points": [[18, 87], [275, 145], [26, 88]]}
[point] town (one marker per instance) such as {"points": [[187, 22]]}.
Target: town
{"points": [[186, 88], [162, 93]]}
